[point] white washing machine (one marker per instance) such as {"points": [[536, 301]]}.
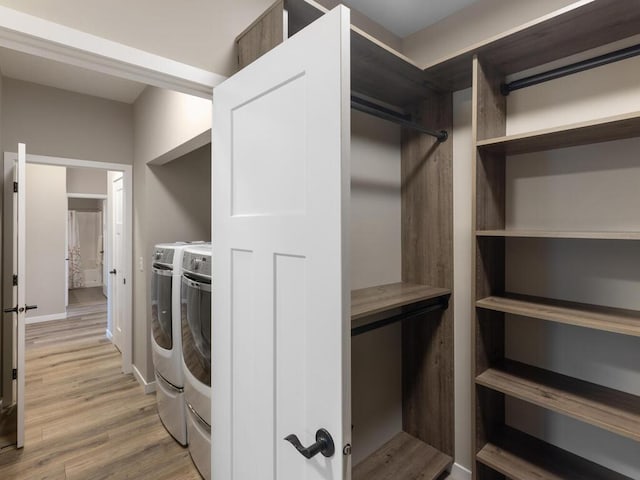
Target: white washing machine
{"points": [[166, 337], [195, 299]]}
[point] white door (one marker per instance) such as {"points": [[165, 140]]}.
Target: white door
{"points": [[116, 280], [281, 336], [14, 278]]}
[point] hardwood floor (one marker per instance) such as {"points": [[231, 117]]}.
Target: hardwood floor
{"points": [[85, 420]]}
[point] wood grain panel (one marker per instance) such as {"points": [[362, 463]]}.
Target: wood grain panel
{"points": [[522, 457], [573, 29], [261, 36], [603, 407], [403, 458], [583, 133], [84, 417], [617, 320], [488, 211], [373, 300], [427, 258]]}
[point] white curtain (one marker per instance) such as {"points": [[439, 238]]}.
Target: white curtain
{"points": [[76, 277]]}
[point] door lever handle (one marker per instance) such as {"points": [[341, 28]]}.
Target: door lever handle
{"points": [[324, 444], [30, 307], [113, 272], [11, 310]]}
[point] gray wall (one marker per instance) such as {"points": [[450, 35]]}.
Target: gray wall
{"points": [[376, 259], [85, 204], [164, 120], [46, 224], [64, 124], [86, 180]]}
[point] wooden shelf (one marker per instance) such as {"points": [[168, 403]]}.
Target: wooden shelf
{"points": [[573, 29], [583, 133], [603, 407], [522, 457], [609, 319], [404, 457], [558, 234], [375, 305], [377, 70]]}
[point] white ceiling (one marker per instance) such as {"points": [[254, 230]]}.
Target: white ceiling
{"points": [[22, 66], [404, 17]]}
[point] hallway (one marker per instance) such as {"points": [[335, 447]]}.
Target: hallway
{"points": [[85, 420]]}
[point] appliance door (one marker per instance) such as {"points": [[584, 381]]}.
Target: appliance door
{"points": [[195, 307], [161, 280]]}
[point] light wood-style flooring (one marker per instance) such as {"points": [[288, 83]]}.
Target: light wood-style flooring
{"points": [[85, 420]]}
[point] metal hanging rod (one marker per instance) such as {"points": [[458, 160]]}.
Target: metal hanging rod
{"points": [[432, 306], [605, 59], [379, 111]]}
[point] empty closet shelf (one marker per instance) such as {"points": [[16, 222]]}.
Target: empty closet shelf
{"points": [[378, 306], [404, 457], [609, 319], [604, 407], [522, 457]]}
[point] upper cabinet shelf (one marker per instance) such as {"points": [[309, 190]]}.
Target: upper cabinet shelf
{"points": [[581, 26], [377, 70], [583, 133]]}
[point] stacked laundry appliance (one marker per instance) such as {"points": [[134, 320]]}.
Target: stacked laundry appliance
{"points": [[195, 299]]}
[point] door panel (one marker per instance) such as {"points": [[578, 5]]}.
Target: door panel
{"points": [[13, 323], [116, 266], [281, 130]]}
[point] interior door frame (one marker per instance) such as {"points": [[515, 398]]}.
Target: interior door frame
{"points": [[94, 196], [127, 170]]}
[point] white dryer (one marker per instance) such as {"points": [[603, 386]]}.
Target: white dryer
{"points": [[166, 339], [195, 301]]}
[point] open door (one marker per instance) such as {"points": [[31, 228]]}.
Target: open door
{"points": [[15, 308], [116, 293], [281, 301]]}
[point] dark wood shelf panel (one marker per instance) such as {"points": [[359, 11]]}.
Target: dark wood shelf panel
{"points": [[602, 235], [373, 300], [594, 131], [378, 306], [522, 457], [610, 409], [377, 70], [573, 29], [609, 319], [404, 457]]}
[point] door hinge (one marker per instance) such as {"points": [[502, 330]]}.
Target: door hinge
{"points": [[15, 187], [124, 281], [14, 374], [15, 280]]}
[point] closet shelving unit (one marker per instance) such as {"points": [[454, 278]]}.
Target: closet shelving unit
{"points": [[388, 85], [501, 451]]}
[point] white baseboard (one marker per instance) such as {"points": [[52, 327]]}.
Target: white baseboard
{"points": [[45, 318], [149, 387], [460, 472], [109, 334]]}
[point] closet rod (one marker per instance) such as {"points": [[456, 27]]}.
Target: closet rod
{"points": [[441, 303], [559, 72], [388, 114]]}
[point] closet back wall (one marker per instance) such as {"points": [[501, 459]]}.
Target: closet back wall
{"points": [[375, 260], [594, 187]]}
